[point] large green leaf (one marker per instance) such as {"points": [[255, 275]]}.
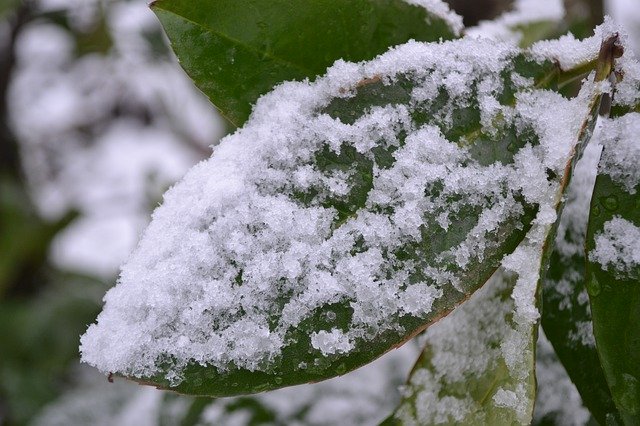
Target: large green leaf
{"points": [[237, 50], [613, 268], [344, 218]]}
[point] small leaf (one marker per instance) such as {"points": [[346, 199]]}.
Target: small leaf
{"points": [[237, 50], [613, 268], [478, 365], [347, 216]]}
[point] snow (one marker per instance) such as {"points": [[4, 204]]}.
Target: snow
{"points": [[235, 216], [78, 156], [510, 25], [441, 10], [621, 154], [627, 93], [570, 52], [331, 342], [617, 248]]}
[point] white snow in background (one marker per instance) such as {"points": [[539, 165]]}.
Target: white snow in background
{"points": [[617, 248], [442, 10], [231, 214], [510, 25], [570, 52], [114, 177], [557, 399], [97, 246], [621, 154]]}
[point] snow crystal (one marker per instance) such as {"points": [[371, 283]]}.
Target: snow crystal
{"points": [[570, 52], [441, 10], [628, 89], [617, 248], [330, 343], [239, 234], [621, 154], [510, 25]]}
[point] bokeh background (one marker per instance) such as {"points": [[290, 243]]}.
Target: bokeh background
{"points": [[97, 120]]}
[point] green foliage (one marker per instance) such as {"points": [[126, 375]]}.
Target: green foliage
{"points": [[39, 336], [486, 319], [236, 52]]}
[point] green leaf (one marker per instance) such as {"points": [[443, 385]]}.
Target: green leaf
{"points": [[566, 317], [613, 267], [237, 50], [410, 191], [470, 371]]}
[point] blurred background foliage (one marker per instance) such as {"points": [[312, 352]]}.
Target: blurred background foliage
{"points": [[96, 121]]}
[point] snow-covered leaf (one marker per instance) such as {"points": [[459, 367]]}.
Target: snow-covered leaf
{"points": [[566, 317], [613, 267], [345, 217], [237, 50]]}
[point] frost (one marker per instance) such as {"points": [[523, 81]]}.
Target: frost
{"points": [[621, 154], [301, 209], [511, 25], [617, 248], [570, 52], [441, 10]]}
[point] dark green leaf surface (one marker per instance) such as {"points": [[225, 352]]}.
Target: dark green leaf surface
{"points": [[237, 50], [615, 294]]}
